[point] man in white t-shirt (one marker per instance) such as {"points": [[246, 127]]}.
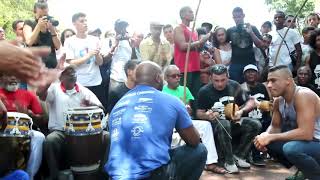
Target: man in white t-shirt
{"points": [[83, 51], [291, 43], [61, 96], [121, 52]]}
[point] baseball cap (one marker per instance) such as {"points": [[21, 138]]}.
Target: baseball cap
{"points": [[250, 66]]}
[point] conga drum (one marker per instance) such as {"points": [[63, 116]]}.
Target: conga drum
{"points": [[84, 141], [15, 143]]}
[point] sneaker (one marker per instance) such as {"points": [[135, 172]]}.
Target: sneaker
{"points": [[297, 176], [231, 168], [257, 161], [241, 162]]}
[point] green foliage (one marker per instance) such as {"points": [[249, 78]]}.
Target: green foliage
{"points": [[11, 10], [291, 6]]}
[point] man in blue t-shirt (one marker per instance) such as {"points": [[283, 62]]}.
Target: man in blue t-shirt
{"points": [[141, 126]]}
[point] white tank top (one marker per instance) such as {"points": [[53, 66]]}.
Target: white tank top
{"points": [[225, 55]]}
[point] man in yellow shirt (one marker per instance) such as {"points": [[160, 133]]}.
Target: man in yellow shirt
{"points": [[155, 49]]}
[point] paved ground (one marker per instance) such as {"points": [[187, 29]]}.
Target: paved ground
{"points": [[273, 171]]}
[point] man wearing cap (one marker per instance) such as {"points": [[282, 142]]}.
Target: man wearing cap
{"points": [[154, 48], [258, 91]]}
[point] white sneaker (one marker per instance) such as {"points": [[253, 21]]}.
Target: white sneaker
{"points": [[241, 162], [231, 168]]}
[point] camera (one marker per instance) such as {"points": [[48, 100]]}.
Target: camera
{"points": [[52, 20]]}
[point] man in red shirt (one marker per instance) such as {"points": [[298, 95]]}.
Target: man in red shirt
{"points": [[20, 100], [181, 38]]}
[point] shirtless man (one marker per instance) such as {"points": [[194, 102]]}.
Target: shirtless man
{"points": [[294, 134]]}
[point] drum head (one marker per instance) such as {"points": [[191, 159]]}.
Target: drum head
{"points": [[18, 114]]}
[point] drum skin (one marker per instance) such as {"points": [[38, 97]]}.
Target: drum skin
{"points": [[228, 110], [14, 153]]}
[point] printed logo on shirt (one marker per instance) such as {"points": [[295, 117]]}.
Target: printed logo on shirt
{"points": [[85, 52], [140, 119], [256, 113], [137, 131], [226, 99], [115, 135], [143, 108]]}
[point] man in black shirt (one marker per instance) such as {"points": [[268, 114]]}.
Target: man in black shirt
{"points": [[213, 97], [242, 37], [117, 93], [258, 91], [41, 32]]}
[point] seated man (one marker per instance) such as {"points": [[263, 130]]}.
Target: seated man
{"points": [[20, 100], [172, 76], [220, 92], [61, 96], [117, 93], [294, 134], [304, 79], [141, 126], [257, 90]]}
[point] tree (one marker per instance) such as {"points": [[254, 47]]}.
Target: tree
{"points": [[11, 10], [291, 6]]}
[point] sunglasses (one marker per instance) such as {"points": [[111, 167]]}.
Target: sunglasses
{"points": [[174, 76]]}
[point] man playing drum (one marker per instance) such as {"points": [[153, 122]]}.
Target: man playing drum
{"points": [[20, 100], [294, 134], [61, 96], [223, 92]]}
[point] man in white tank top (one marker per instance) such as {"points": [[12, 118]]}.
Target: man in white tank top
{"points": [[294, 134]]}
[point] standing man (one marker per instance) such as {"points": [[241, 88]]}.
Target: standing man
{"points": [[168, 34], [290, 51], [294, 134], [141, 126], [137, 37], [42, 32], [290, 20], [181, 38], [121, 53], [83, 51], [266, 27], [2, 34], [154, 48], [17, 27], [242, 37], [216, 95], [313, 19]]}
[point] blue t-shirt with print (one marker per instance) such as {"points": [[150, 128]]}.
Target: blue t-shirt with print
{"points": [[141, 126]]}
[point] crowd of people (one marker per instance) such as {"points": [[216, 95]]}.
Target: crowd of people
{"points": [[248, 93]]}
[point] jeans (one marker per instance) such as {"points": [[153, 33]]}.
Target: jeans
{"points": [[242, 137], [188, 162], [305, 155], [236, 72], [16, 175], [35, 159]]}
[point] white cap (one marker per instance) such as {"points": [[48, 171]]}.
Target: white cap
{"points": [[250, 66]]}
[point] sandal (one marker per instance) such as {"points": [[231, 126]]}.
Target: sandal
{"points": [[215, 169]]}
